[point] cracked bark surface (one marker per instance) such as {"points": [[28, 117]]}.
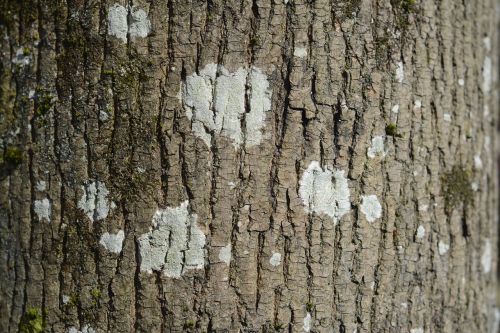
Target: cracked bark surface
{"points": [[79, 106]]}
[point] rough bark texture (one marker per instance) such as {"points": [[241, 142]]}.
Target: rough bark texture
{"points": [[102, 133]]}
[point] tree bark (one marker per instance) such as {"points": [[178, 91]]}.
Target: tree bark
{"points": [[238, 166]]}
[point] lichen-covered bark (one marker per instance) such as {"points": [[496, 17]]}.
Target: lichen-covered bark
{"points": [[265, 166]]}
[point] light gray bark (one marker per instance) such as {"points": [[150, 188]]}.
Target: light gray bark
{"points": [[257, 137]]}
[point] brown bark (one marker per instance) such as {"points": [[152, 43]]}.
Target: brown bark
{"points": [[100, 131]]}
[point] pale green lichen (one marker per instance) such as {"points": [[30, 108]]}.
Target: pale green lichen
{"points": [[31, 321]]}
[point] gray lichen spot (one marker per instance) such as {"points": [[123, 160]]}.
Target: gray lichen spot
{"points": [[443, 248], [486, 257], [275, 259], [41, 186], [377, 147], [307, 322], [140, 25], [85, 329], [215, 104], [487, 74], [113, 242], [42, 209], [300, 52], [225, 254], [400, 73], [94, 201], [324, 191], [118, 25], [21, 58], [230, 103], [478, 162], [370, 207], [174, 245], [420, 232], [260, 103], [417, 330], [117, 22]]}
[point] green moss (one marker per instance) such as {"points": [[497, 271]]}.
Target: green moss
{"points": [[190, 324], [456, 187], [392, 130], [73, 300], [31, 321], [45, 101], [309, 306], [96, 293], [278, 327], [13, 156], [409, 6]]}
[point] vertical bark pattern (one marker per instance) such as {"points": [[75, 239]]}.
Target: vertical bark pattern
{"points": [[80, 106]]}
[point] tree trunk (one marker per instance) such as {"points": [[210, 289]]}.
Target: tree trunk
{"points": [[237, 166]]}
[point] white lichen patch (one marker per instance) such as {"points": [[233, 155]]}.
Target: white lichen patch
{"points": [[478, 163], [461, 82], [174, 245], [103, 115], [21, 58], [113, 242], [423, 208], [140, 26], [85, 329], [486, 110], [225, 254], [65, 299], [443, 248], [42, 209], [300, 52], [487, 43], [400, 73], [420, 232], [214, 101], [94, 201], [486, 256], [417, 330], [275, 259], [447, 117], [41, 186], [377, 148], [487, 74], [324, 191], [474, 186], [370, 207], [307, 322], [417, 104], [229, 104], [395, 108], [260, 102], [118, 24]]}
